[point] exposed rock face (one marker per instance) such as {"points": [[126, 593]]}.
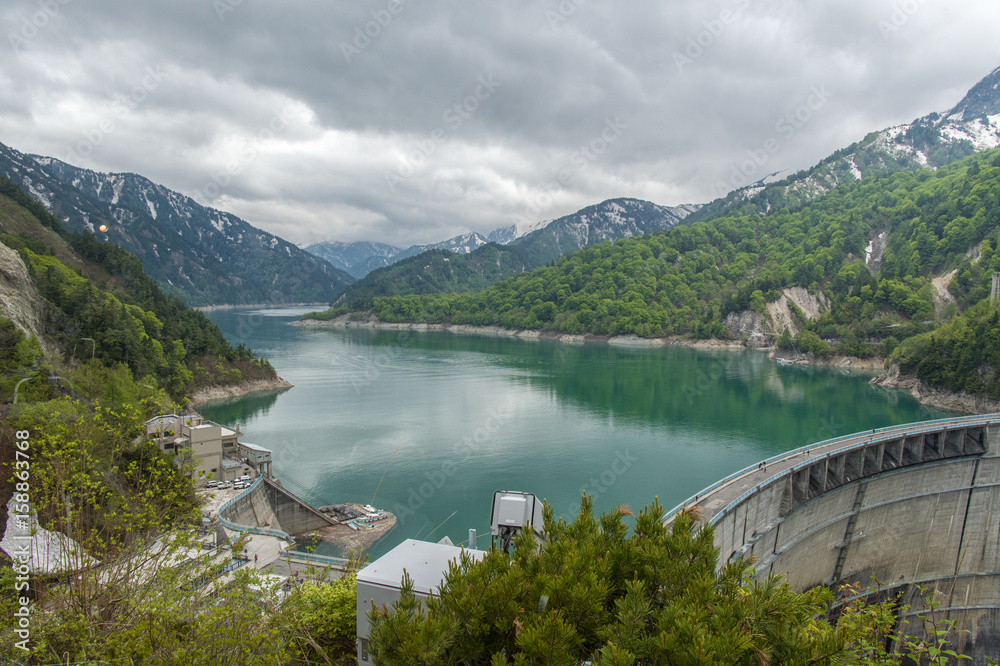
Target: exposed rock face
{"points": [[928, 395], [236, 390], [19, 300], [749, 326], [780, 315]]}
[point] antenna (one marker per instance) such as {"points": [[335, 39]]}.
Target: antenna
{"points": [[512, 512]]}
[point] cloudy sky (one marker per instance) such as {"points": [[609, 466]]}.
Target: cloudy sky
{"points": [[413, 121]]}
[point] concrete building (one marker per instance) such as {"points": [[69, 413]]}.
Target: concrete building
{"points": [[379, 582], [257, 457], [214, 449]]}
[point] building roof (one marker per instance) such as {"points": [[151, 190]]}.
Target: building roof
{"points": [[425, 562], [162, 419], [229, 462], [254, 447]]}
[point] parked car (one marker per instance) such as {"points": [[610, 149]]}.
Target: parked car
{"points": [[246, 479], [241, 484], [213, 484]]}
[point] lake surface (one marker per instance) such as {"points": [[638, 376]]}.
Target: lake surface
{"points": [[435, 422]]}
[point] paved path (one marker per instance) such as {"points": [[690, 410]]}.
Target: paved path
{"points": [[713, 500]]}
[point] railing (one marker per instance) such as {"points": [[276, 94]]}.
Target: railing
{"points": [[888, 433], [253, 529], [312, 557]]}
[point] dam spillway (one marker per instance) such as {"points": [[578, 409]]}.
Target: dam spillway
{"points": [[910, 506]]}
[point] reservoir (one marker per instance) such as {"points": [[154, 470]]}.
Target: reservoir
{"points": [[429, 425]]}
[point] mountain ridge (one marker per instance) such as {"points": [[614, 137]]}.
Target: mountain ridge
{"points": [[206, 256]]}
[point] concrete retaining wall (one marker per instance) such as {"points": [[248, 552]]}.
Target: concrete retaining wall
{"points": [[268, 505]]}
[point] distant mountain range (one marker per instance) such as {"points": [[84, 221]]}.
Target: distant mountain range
{"points": [[204, 255], [434, 272], [362, 257]]}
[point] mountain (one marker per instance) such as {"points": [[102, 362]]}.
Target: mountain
{"points": [[69, 290], [428, 273], [358, 258], [462, 244], [509, 234], [362, 257], [933, 141], [437, 271], [608, 220], [204, 255]]}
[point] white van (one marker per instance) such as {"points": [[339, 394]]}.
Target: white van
{"points": [[245, 479]]}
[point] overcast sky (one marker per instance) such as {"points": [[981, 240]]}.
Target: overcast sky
{"points": [[411, 122]]}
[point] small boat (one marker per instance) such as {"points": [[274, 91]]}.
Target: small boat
{"points": [[785, 361]]}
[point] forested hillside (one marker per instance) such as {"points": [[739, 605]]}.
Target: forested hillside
{"points": [[98, 303], [941, 224]]}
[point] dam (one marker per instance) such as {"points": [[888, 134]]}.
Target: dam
{"points": [[912, 506]]}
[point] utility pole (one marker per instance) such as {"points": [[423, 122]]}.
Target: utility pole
{"points": [[995, 291]]}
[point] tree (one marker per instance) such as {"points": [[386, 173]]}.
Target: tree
{"points": [[589, 591]]}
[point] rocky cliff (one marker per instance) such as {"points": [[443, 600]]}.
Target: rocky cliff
{"points": [[19, 300]]}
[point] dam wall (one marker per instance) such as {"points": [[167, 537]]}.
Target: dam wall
{"points": [[267, 508], [903, 508]]}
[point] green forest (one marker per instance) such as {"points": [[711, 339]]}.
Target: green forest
{"points": [[101, 305], [685, 281]]}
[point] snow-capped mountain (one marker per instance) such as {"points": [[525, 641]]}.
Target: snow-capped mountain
{"points": [[461, 244], [608, 220], [509, 234], [362, 257], [204, 255], [932, 141], [358, 258]]}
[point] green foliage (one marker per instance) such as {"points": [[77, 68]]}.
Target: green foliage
{"points": [[324, 617], [591, 591], [784, 340]]}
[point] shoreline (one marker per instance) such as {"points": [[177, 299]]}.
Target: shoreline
{"points": [[630, 340], [925, 395], [253, 306], [966, 403], [213, 393]]}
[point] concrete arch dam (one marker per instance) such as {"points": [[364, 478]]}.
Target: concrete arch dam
{"points": [[912, 506], [268, 508]]}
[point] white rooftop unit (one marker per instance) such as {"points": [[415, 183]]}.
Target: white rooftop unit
{"points": [[379, 582]]}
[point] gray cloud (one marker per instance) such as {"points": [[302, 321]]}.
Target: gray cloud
{"points": [[371, 145]]}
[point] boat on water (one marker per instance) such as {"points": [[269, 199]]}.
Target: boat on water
{"points": [[785, 361]]}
